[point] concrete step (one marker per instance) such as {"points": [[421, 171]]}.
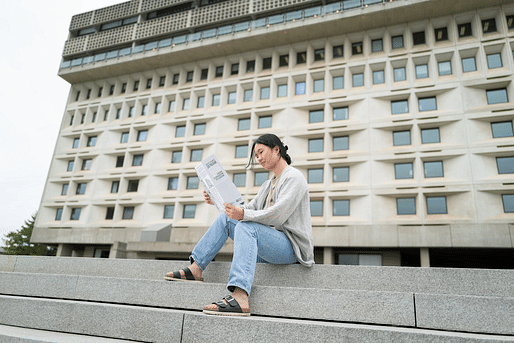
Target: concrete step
{"points": [[147, 324], [478, 282]]}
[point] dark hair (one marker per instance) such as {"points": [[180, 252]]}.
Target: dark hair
{"points": [[270, 140]]}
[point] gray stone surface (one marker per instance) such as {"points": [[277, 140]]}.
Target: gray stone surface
{"points": [[465, 313], [156, 233], [7, 263], [46, 285], [106, 320], [271, 330]]}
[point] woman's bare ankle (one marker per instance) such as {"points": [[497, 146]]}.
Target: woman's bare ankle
{"points": [[196, 270]]}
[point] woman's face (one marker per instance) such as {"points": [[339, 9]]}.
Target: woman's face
{"points": [[266, 156]]}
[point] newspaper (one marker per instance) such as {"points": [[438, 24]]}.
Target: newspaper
{"points": [[218, 184]]}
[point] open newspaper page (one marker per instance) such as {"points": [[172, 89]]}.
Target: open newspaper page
{"points": [[217, 183]]}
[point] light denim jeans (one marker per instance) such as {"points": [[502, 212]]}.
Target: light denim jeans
{"points": [[252, 242]]}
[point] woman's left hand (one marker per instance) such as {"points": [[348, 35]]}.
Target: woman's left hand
{"points": [[234, 212]]}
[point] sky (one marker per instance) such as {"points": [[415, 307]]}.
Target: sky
{"points": [[32, 99]]}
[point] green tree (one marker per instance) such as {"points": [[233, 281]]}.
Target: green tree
{"points": [[18, 242]]}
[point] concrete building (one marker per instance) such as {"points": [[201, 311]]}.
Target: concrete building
{"points": [[397, 112]]}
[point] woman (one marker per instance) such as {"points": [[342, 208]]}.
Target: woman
{"points": [[275, 227]]}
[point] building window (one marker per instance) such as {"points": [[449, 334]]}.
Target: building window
{"points": [[405, 206], [119, 161], [64, 189], [109, 215], [260, 178], [399, 106], [176, 78], [319, 55], [199, 129], [192, 182], [301, 57], [266, 63], [131, 112], [180, 131], [128, 213], [508, 203], [489, 25], [497, 96], [357, 48], [401, 138], [505, 165], [189, 76], [172, 183], [136, 86], [418, 38], [510, 21], [338, 82], [494, 61], [340, 113], [132, 186], [319, 85], [234, 69], [78, 96], [502, 129], [315, 175], [377, 45], [240, 179], [189, 211], [171, 106], [248, 96], [86, 164], [219, 71], [201, 101], [118, 113], [469, 64], [341, 174], [464, 30], [358, 80], [264, 93], [316, 116], [433, 169], [241, 151], [403, 171], [243, 124], [436, 205], [157, 108], [397, 42], [58, 214], [281, 91], [204, 74], [340, 207], [91, 141], [142, 135], [400, 74], [100, 90], [115, 186], [216, 100], [337, 51], [185, 104], [378, 77], [137, 160], [300, 88], [427, 104], [264, 122], [75, 213], [441, 34], [445, 68], [422, 71], [83, 117], [93, 119], [340, 143], [168, 211], [111, 90], [316, 208], [430, 136], [250, 66], [283, 61], [76, 142], [70, 166], [162, 81], [148, 83], [316, 145], [144, 109], [196, 155]]}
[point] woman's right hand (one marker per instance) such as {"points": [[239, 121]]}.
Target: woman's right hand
{"points": [[207, 198]]}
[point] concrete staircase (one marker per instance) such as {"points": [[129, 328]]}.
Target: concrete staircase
{"points": [[64, 299]]}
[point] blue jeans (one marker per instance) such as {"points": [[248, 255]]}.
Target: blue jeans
{"points": [[252, 241]]}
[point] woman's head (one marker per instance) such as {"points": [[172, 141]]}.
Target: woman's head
{"points": [[268, 146]]}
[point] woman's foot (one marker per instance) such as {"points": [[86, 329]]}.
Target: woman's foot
{"points": [[239, 295], [195, 274]]}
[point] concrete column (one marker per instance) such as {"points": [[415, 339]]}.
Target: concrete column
{"points": [[328, 256], [64, 250], [424, 257]]}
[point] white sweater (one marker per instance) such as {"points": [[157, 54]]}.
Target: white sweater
{"points": [[291, 212]]}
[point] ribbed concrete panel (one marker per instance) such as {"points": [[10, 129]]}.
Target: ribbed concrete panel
{"points": [[116, 36], [162, 25], [111, 13]]}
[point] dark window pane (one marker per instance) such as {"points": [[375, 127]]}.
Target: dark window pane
{"points": [[397, 42], [128, 213], [427, 104], [401, 138], [403, 171], [377, 45], [176, 157], [341, 113], [196, 155], [468, 64], [243, 124], [464, 30], [505, 165], [315, 175], [115, 186], [316, 116], [199, 129], [301, 57], [489, 25], [433, 169], [357, 48], [319, 55], [508, 203], [400, 74], [173, 183], [502, 129], [497, 96], [168, 211], [441, 34], [341, 207], [399, 107], [430, 136], [358, 80], [189, 211], [133, 185], [266, 63], [436, 205], [337, 51], [445, 68], [494, 61], [418, 38], [341, 174], [341, 143], [192, 182], [405, 206], [317, 208], [316, 145], [422, 71]]}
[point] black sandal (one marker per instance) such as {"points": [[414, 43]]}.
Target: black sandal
{"points": [[231, 308], [187, 273]]}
